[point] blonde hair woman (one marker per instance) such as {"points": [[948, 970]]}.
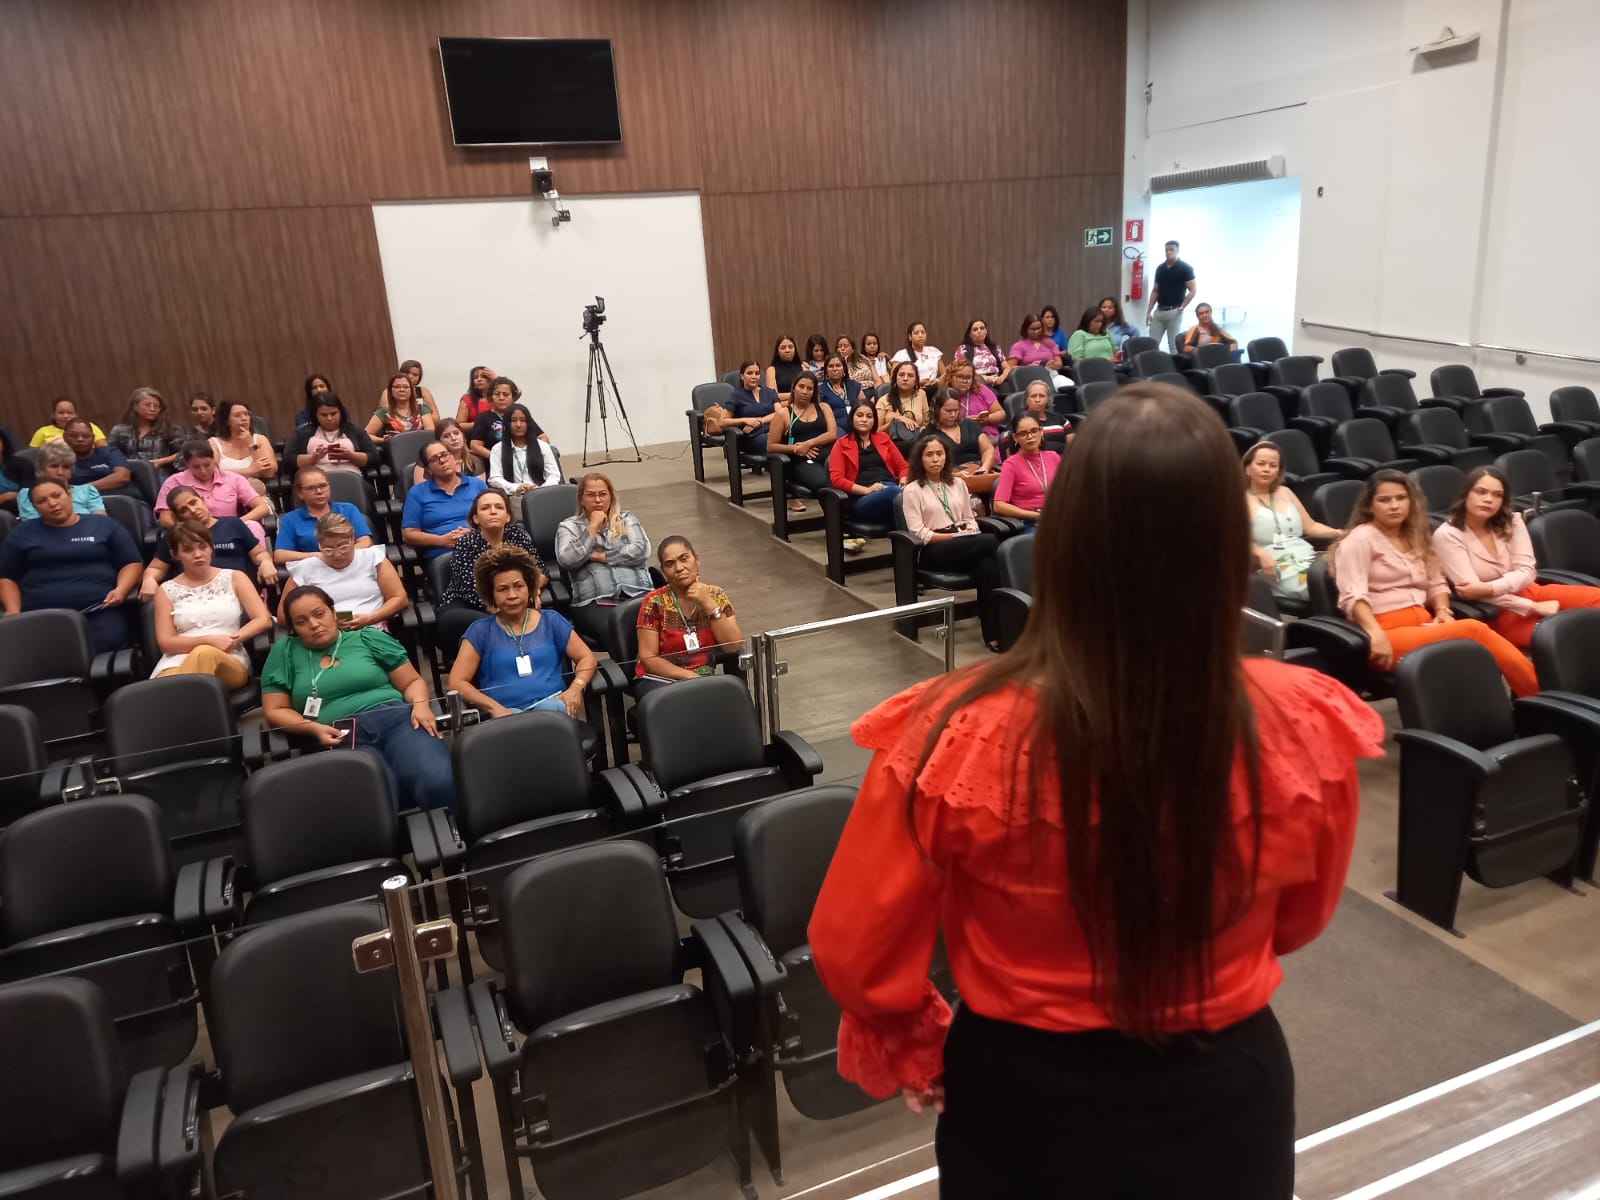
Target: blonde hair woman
{"points": [[605, 552]]}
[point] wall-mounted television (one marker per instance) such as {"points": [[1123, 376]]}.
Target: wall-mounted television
{"points": [[530, 91]]}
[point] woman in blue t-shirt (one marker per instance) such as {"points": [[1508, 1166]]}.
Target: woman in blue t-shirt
{"points": [[512, 661]]}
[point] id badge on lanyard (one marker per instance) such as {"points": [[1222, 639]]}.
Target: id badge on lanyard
{"points": [[691, 640]]}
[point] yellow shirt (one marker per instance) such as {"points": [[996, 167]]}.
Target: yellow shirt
{"points": [[46, 434]]}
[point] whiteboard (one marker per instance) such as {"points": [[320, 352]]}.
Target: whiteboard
{"points": [[491, 282]]}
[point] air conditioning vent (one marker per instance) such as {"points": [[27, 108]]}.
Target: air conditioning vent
{"points": [[1239, 172]]}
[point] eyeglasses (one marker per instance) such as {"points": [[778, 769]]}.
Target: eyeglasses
{"points": [[315, 487], [437, 458], [1022, 433]]}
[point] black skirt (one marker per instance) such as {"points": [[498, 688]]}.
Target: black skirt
{"points": [[1100, 1116]]}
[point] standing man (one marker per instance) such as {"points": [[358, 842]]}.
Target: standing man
{"points": [[1173, 292]]}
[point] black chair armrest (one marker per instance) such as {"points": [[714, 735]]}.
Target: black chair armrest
{"points": [[628, 795], [765, 969], [139, 1133], [1473, 610], [1500, 443], [112, 669], [453, 1019], [1001, 527], [795, 756], [1350, 468], [1501, 391], [495, 1034], [608, 678], [207, 895], [159, 1136], [436, 843], [904, 549], [1457, 403], [1345, 647], [724, 978], [1578, 725], [1397, 371], [63, 781], [180, 1141], [1575, 578], [1444, 754]]}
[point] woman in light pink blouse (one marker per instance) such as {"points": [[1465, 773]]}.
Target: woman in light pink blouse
{"points": [[1486, 555], [939, 514], [978, 348], [1390, 583]]}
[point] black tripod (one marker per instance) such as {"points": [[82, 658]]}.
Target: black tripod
{"points": [[599, 373]]}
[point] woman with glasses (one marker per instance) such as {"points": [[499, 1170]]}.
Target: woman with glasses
{"points": [[1026, 476], [297, 528]]}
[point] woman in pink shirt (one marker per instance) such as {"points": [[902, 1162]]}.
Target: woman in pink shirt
{"points": [[978, 348], [1390, 583], [1035, 348], [225, 494], [1026, 476], [1486, 555], [978, 403], [939, 514]]}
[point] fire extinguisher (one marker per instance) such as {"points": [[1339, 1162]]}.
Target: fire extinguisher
{"points": [[1136, 281]]}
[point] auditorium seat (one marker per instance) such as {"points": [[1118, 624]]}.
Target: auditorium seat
{"points": [[1322, 644], [242, 698], [1457, 383], [136, 517], [911, 578], [1484, 790], [704, 396], [1389, 398], [1092, 395], [1301, 472], [615, 682], [1213, 355], [1436, 435], [740, 459], [1440, 484], [1014, 597], [1510, 419], [1093, 370], [1363, 446], [785, 489], [1353, 366], [1288, 377], [1534, 487], [1566, 654], [1576, 406], [838, 524], [1332, 503], [1021, 377], [48, 666], [542, 511], [1566, 545], [1261, 353]]}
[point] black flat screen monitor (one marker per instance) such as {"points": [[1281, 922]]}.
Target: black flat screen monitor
{"points": [[530, 91]]}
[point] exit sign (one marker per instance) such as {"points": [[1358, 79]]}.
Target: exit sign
{"points": [[1098, 237]]}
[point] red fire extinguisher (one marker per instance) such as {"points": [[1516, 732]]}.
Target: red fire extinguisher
{"points": [[1136, 281]]}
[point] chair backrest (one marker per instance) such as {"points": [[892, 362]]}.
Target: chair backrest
{"points": [[583, 926], [1326, 399], [1574, 404], [402, 450], [1364, 437], [1566, 651], [1586, 460], [1014, 562], [1332, 503], [1433, 427], [1212, 355], [1321, 591], [146, 478], [1454, 688], [1094, 370], [543, 509], [1020, 378], [707, 394], [1454, 379], [731, 378], [1135, 346], [1258, 595], [1255, 410], [1294, 370], [516, 769], [132, 515], [1232, 379], [1171, 379], [1439, 484], [1509, 414], [1295, 451], [1267, 349], [1528, 471], [1013, 404], [438, 572], [1354, 362], [1388, 391], [261, 426], [1153, 362], [22, 758], [63, 1087], [73, 864], [8, 522], [781, 851], [48, 643], [317, 811], [176, 718], [698, 728], [1092, 394], [348, 488], [1566, 539], [288, 1012]]}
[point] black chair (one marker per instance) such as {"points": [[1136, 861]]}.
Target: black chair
{"points": [[1013, 599], [741, 458], [1135, 346], [543, 510], [1213, 355], [8, 522], [1566, 654], [1322, 408], [146, 478], [87, 889], [782, 849], [1301, 471], [1576, 406], [1324, 644], [1436, 435], [75, 1125], [312, 1061], [1439, 484], [1566, 545], [48, 666], [1237, 379], [1092, 395], [1388, 398], [1484, 789], [1457, 383], [1155, 364], [1332, 503], [1510, 419], [1251, 417], [1363, 446], [1261, 353], [911, 577], [243, 698], [594, 994], [1586, 461], [837, 524], [1095, 370], [691, 788], [1352, 367], [135, 516], [731, 378], [1534, 487], [23, 762], [784, 489], [706, 395], [1288, 377]]}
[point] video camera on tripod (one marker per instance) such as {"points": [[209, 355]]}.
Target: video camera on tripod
{"points": [[599, 378], [594, 316]]}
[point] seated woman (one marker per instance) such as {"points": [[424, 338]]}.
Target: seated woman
{"points": [[603, 550], [1115, 324], [61, 412], [523, 460], [225, 494], [358, 690], [1034, 349], [977, 401], [1038, 403], [1485, 553], [929, 360], [872, 351], [1026, 476], [233, 546], [334, 442], [490, 427], [316, 384], [403, 407], [1279, 523], [489, 526], [435, 514], [939, 514], [475, 400], [803, 430], [682, 625], [752, 408], [969, 454], [858, 365], [67, 560], [837, 389], [297, 528], [816, 353], [206, 614], [1205, 331], [1050, 318], [453, 438], [903, 411], [1090, 339], [144, 431], [786, 366], [866, 465], [240, 449], [360, 580], [202, 419], [101, 467], [1390, 583], [56, 462], [512, 661], [978, 349], [15, 473]]}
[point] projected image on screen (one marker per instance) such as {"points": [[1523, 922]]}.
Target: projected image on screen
{"points": [[530, 91]]}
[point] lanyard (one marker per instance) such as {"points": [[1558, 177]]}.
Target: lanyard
{"points": [[333, 661], [1038, 473], [1273, 509], [943, 492], [683, 616], [516, 637]]}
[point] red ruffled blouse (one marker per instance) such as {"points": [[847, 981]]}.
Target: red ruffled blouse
{"points": [[999, 893]]}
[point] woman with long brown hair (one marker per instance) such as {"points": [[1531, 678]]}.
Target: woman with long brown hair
{"points": [[1166, 820]]}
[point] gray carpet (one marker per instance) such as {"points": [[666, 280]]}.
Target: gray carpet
{"points": [[1375, 1010]]}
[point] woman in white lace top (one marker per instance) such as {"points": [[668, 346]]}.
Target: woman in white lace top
{"points": [[205, 615]]}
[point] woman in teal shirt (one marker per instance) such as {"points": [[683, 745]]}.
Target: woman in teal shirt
{"points": [[358, 689], [1090, 339]]}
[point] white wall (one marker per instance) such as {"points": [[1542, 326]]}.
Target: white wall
{"points": [[489, 281], [1430, 193]]}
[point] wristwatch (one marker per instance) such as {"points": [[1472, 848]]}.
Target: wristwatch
{"points": [[716, 613]]}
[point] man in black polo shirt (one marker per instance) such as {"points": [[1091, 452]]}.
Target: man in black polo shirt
{"points": [[1173, 292]]}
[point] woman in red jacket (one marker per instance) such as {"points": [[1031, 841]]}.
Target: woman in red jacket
{"points": [[866, 464], [1166, 820]]}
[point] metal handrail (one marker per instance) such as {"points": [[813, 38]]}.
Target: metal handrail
{"points": [[1520, 352]]}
